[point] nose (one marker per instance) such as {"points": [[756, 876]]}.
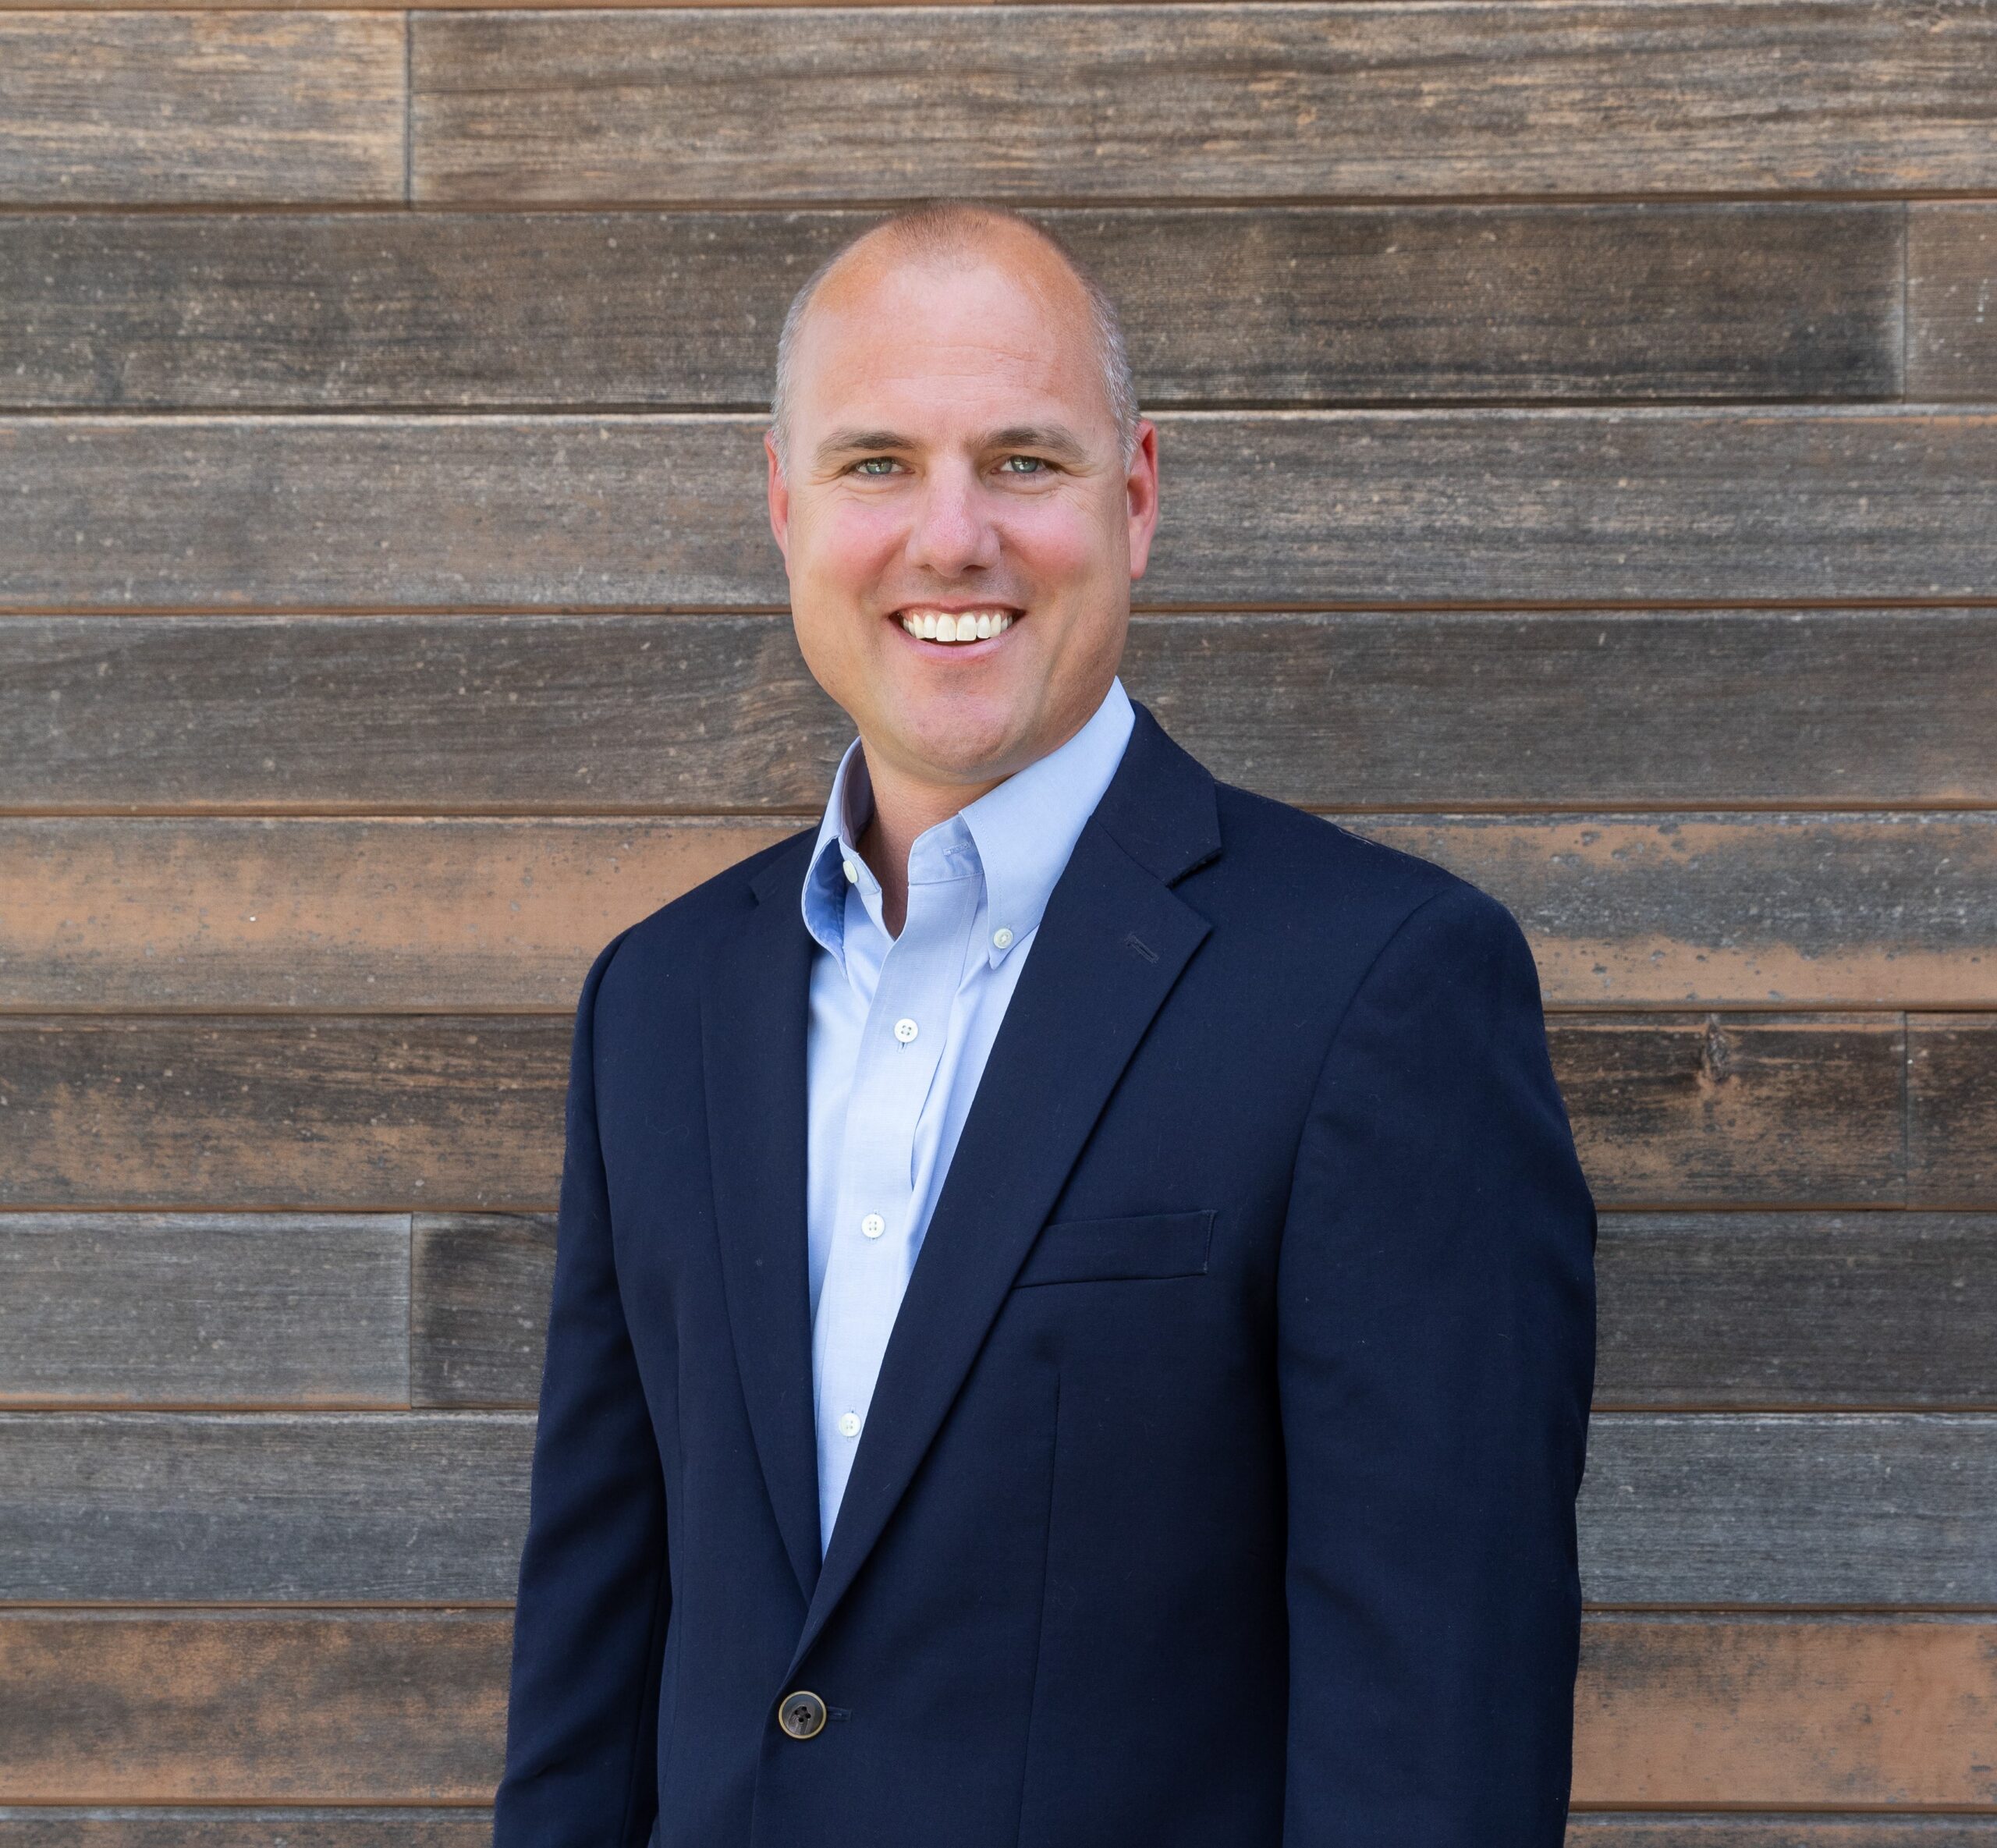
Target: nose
{"points": [[951, 534]]}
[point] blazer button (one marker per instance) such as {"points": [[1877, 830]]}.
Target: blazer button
{"points": [[801, 1713]]}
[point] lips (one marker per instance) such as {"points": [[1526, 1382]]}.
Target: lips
{"points": [[930, 625]]}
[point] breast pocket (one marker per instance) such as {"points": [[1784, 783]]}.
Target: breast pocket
{"points": [[1097, 1250]]}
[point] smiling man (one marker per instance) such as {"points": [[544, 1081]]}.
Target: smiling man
{"points": [[1073, 1308]]}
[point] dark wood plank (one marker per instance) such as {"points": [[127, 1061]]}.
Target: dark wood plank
{"points": [[1951, 283], [1252, 305], [221, 1706], [106, 913], [1741, 96], [327, 1112], [1790, 1310], [1346, 711], [264, 1507], [1637, 503], [1952, 1108], [201, 108], [479, 1290], [377, 1114], [204, 1308], [180, 1827]]}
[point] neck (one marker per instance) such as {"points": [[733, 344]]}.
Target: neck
{"points": [[905, 808]]}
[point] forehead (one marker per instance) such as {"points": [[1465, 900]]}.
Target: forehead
{"points": [[912, 334]]}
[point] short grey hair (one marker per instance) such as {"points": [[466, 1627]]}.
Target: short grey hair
{"points": [[949, 228]]}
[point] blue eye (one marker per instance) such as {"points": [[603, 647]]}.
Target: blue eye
{"points": [[1038, 463], [875, 465]]}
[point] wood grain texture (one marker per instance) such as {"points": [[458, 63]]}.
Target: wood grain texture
{"points": [[267, 1507], [223, 1706], [1346, 711], [331, 1112], [1952, 1108], [1777, 1831], [1692, 1711], [121, 107], [468, 915], [248, 1707], [1853, 1509], [204, 1308], [442, 1112], [1636, 503], [1209, 101], [1774, 1311], [1951, 289], [1791, 1311], [1249, 305]]}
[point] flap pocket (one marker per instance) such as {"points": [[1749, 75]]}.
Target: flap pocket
{"points": [[1143, 1245]]}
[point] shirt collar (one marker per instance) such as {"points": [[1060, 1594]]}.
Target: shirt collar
{"points": [[1024, 829]]}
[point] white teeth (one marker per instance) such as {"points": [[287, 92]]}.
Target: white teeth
{"points": [[943, 625]]}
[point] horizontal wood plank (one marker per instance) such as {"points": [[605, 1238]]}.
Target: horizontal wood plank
{"points": [[1951, 281], [1212, 101], [480, 1285], [1827, 1712], [201, 108], [1628, 504], [204, 1308], [474, 914], [1249, 305], [1951, 1103], [1338, 710], [1854, 1510], [366, 1114], [1597, 1830]]}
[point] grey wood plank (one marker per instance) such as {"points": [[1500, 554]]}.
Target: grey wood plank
{"points": [[1638, 1831], [1952, 1108], [1344, 710], [1738, 96], [1795, 1310], [211, 1308], [1733, 300], [645, 510], [1951, 282], [203, 107], [104, 913], [479, 1289], [180, 1826]]}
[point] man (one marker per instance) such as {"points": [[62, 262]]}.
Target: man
{"points": [[1074, 1315]]}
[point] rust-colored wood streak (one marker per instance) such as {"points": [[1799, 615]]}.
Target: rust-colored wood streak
{"points": [[119, 108], [204, 1309], [1818, 1711], [331, 1112], [1582, 505], [1952, 1096], [1354, 710], [380, 1114], [387, 1507], [179, 1826], [1951, 286], [468, 915], [1761, 1712], [223, 1706], [1792, 1310], [1779, 1311], [1252, 304], [1734, 96]]}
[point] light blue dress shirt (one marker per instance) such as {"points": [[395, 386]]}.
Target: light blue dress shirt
{"points": [[899, 1030]]}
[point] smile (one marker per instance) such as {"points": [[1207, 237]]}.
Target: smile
{"points": [[958, 625]]}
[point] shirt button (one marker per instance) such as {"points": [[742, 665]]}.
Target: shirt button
{"points": [[851, 873], [849, 1423], [1001, 938], [905, 1030], [873, 1226]]}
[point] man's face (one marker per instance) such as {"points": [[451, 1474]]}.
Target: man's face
{"points": [[953, 454]]}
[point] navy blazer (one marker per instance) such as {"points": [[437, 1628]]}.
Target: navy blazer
{"points": [[1218, 1490]]}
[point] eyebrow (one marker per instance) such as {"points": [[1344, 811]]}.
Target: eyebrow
{"points": [[1056, 439]]}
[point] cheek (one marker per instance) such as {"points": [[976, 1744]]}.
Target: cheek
{"points": [[850, 544], [1060, 542]]}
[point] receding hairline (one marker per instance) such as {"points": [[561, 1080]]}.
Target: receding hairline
{"points": [[962, 233]]}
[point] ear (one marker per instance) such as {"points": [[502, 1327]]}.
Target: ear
{"points": [[779, 491], [1141, 495]]}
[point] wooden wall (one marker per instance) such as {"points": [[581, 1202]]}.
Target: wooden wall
{"points": [[1580, 466]]}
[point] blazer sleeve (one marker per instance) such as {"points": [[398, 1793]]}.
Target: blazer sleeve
{"points": [[1436, 1355], [589, 1622]]}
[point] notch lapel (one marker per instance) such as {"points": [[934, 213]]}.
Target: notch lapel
{"points": [[1111, 946], [755, 1009]]}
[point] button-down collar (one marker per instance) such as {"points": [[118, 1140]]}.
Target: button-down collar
{"points": [[1019, 835]]}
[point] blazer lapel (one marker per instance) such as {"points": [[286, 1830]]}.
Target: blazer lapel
{"points": [[755, 1011], [1112, 944]]}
